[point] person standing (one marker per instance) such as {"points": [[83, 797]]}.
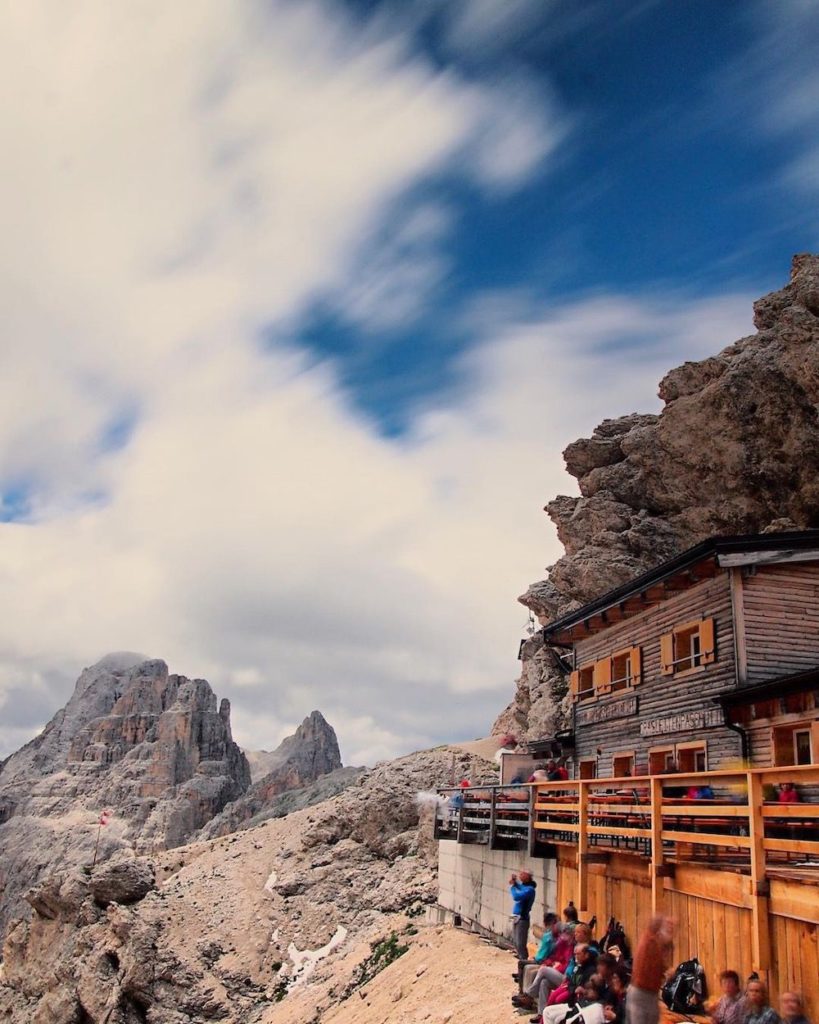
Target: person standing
{"points": [[523, 890], [651, 962]]}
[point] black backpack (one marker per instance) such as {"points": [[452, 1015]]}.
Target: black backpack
{"points": [[615, 936], [686, 990]]}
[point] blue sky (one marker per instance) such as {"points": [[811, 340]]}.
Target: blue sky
{"points": [[303, 301], [667, 177]]}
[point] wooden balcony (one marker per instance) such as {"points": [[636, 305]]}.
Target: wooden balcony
{"points": [[647, 816]]}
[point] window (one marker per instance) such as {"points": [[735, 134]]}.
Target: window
{"points": [[588, 768], [618, 672], [689, 646], [795, 744], [621, 671], [622, 764], [801, 746], [661, 760], [692, 757], [585, 687]]}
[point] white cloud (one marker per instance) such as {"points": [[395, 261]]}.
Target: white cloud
{"points": [[178, 178], [773, 86]]}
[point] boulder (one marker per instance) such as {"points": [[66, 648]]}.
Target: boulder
{"points": [[122, 880]]}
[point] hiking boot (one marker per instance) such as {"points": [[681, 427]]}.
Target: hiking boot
{"points": [[536, 1020]]}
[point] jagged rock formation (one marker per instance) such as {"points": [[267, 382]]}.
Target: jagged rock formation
{"points": [[227, 932], [310, 753], [734, 450], [152, 748]]}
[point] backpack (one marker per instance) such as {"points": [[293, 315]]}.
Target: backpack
{"points": [[686, 990], [615, 936]]}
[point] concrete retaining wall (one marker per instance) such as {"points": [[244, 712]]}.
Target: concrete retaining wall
{"points": [[474, 882]]}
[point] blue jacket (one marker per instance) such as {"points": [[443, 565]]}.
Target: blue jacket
{"points": [[523, 895]]}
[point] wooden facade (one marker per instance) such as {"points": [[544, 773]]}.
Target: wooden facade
{"points": [[654, 662], [647, 716]]}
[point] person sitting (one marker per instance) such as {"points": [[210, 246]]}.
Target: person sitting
{"points": [[549, 975], [528, 968], [581, 967], [757, 1009], [579, 1005], [570, 915], [730, 1009], [791, 1008], [614, 1002], [787, 793]]}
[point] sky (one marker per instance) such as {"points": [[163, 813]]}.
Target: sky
{"points": [[302, 301]]}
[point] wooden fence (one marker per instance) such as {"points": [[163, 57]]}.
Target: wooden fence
{"points": [[740, 828]]}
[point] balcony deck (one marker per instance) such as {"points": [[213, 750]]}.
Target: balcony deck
{"points": [[648, 817]]}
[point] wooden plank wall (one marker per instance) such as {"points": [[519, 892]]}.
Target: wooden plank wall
{"points": [[713, 926], [662, 696], [781, 604]]}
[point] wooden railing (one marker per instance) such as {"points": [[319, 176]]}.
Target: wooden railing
{"points": [[742, 828], [650, 816]]}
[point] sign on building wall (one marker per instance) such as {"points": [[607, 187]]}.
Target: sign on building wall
{"points": [[689, 721], [605, 712]]}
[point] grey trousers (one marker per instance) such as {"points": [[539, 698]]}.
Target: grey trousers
{"points": [[642, 1007], [543, 984], [521, 937]]}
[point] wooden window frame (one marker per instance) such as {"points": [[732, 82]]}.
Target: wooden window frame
{"points": [[799, 731], [808, 725], [590, 693], [668, 748], [618, 755], [627, 681], [695, 745], [587, 760], [706, 631]]}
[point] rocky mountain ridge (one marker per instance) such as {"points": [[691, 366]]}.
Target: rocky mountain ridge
{"points": [[152, 748], [268, 924], [734, 450]]}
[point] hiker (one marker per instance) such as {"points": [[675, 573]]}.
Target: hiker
{"points": [[651, 962], [523, 895], [757, 1008], [731, 1006], [528, 968], [550, 974], [556, 981], [791, 1009]]}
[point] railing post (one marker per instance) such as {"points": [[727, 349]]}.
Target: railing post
{"points": [[657, 892], [760, 921], [461, 810], [582, 848], [530, 838], [492, 792]]}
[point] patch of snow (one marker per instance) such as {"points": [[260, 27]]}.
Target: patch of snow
{"points": [[271, 881], [304, 961]]}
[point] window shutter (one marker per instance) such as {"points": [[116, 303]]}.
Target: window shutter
{"points": [[602, 676], [667, 654], [636, 666], [574, 683], [708, 641]]}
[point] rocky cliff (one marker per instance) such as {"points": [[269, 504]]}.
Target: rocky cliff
{"points": [[735, 449], [156, 751], [268, 924], [301, 759]]}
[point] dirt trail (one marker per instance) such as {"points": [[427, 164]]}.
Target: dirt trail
{"points": [[447, 975]]}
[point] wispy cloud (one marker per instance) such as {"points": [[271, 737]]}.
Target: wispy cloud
{"points": [[178, 179]]}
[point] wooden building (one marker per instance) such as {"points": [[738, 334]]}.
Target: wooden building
{"points": [[709, 660]]}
